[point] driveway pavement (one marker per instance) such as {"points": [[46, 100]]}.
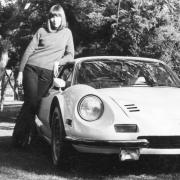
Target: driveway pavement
{"points": [[6, 129], [8, 116]]}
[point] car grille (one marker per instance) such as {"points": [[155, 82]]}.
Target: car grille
{"points": [[131, 107], [167, 142]]}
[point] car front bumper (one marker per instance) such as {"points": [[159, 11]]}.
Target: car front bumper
{"points": [[140, 143], [115, 147]]}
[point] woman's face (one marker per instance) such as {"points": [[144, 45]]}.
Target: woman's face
{"points": [[55, 21]]}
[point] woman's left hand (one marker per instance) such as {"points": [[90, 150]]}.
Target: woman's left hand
{"points": [[56, 69]]}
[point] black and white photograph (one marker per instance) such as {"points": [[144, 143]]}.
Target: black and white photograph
{"points": [[89, 90]]}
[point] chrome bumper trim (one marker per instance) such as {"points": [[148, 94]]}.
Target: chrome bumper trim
{"points": [[140, 143]]}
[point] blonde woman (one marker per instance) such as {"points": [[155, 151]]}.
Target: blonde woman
{"points": [[50, 47]]}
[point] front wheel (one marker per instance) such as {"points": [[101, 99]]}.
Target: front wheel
{"points": [[58, 145]]}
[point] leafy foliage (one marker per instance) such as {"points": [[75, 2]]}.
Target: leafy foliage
{"points": [[114, 27], [147, 28]]}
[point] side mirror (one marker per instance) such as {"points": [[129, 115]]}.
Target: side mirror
{"points": [[59, 83]]}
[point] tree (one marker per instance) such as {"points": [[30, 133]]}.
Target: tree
{"points": [[114, 27], [147, 28]]}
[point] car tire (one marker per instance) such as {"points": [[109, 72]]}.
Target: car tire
{"points": [[58, 144]]}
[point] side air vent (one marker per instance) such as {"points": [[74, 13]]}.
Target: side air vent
{"points": [[131, 107]]}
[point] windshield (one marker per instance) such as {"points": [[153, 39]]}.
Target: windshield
{"points": [[116, 73]]}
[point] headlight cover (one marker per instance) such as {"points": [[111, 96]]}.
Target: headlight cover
{"points": [[90, 108]]}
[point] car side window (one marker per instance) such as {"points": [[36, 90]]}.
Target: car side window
{"points": [[66, 74]]}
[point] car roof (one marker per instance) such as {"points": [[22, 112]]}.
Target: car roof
{"points": [[91, 58]]}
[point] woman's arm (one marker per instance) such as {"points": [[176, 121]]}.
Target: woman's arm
{"points": [[69, 51], [29, 50], [68, 55]]}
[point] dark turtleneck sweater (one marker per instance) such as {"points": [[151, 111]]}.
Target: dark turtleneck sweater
{"points": [[47, 47]]}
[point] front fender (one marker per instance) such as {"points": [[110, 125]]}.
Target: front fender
{"points": [[80, 128], [68, 100]]}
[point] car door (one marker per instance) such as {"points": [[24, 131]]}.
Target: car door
{"points": [[65, 73]]}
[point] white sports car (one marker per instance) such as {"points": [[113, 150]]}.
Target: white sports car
{"points": [[113, 105]]}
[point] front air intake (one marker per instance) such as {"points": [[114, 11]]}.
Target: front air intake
{"points": [[167, 142]]}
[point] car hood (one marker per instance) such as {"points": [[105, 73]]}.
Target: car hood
{"points": [[149, 106]]}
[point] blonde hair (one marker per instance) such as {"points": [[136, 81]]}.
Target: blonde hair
{"points": [[58, 11]]}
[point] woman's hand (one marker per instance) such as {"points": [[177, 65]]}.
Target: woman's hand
{"points": [[56, 69], [19, 78]]}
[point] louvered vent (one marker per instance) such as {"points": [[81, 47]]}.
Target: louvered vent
{"points": [[131, 107]]}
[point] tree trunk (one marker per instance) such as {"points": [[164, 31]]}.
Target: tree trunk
{"points": [[3, 62]]}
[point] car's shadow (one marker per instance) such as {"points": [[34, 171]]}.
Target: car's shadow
{"points": [[37, 159]]}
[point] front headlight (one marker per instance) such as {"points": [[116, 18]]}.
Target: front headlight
{"points": [[90, 108]]}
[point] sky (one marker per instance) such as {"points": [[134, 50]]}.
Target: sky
{"points": [[5, 2]]}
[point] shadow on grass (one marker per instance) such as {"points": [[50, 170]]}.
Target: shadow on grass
{"points": [[8, 116], [37, 159]]}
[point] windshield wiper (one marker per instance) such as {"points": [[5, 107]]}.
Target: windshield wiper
{"points": [[165, 85]]}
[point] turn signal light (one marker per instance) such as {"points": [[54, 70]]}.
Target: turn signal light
{"points": [[124, 128]]}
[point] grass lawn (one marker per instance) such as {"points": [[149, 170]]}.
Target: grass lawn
{"points": [[35, 163]]}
